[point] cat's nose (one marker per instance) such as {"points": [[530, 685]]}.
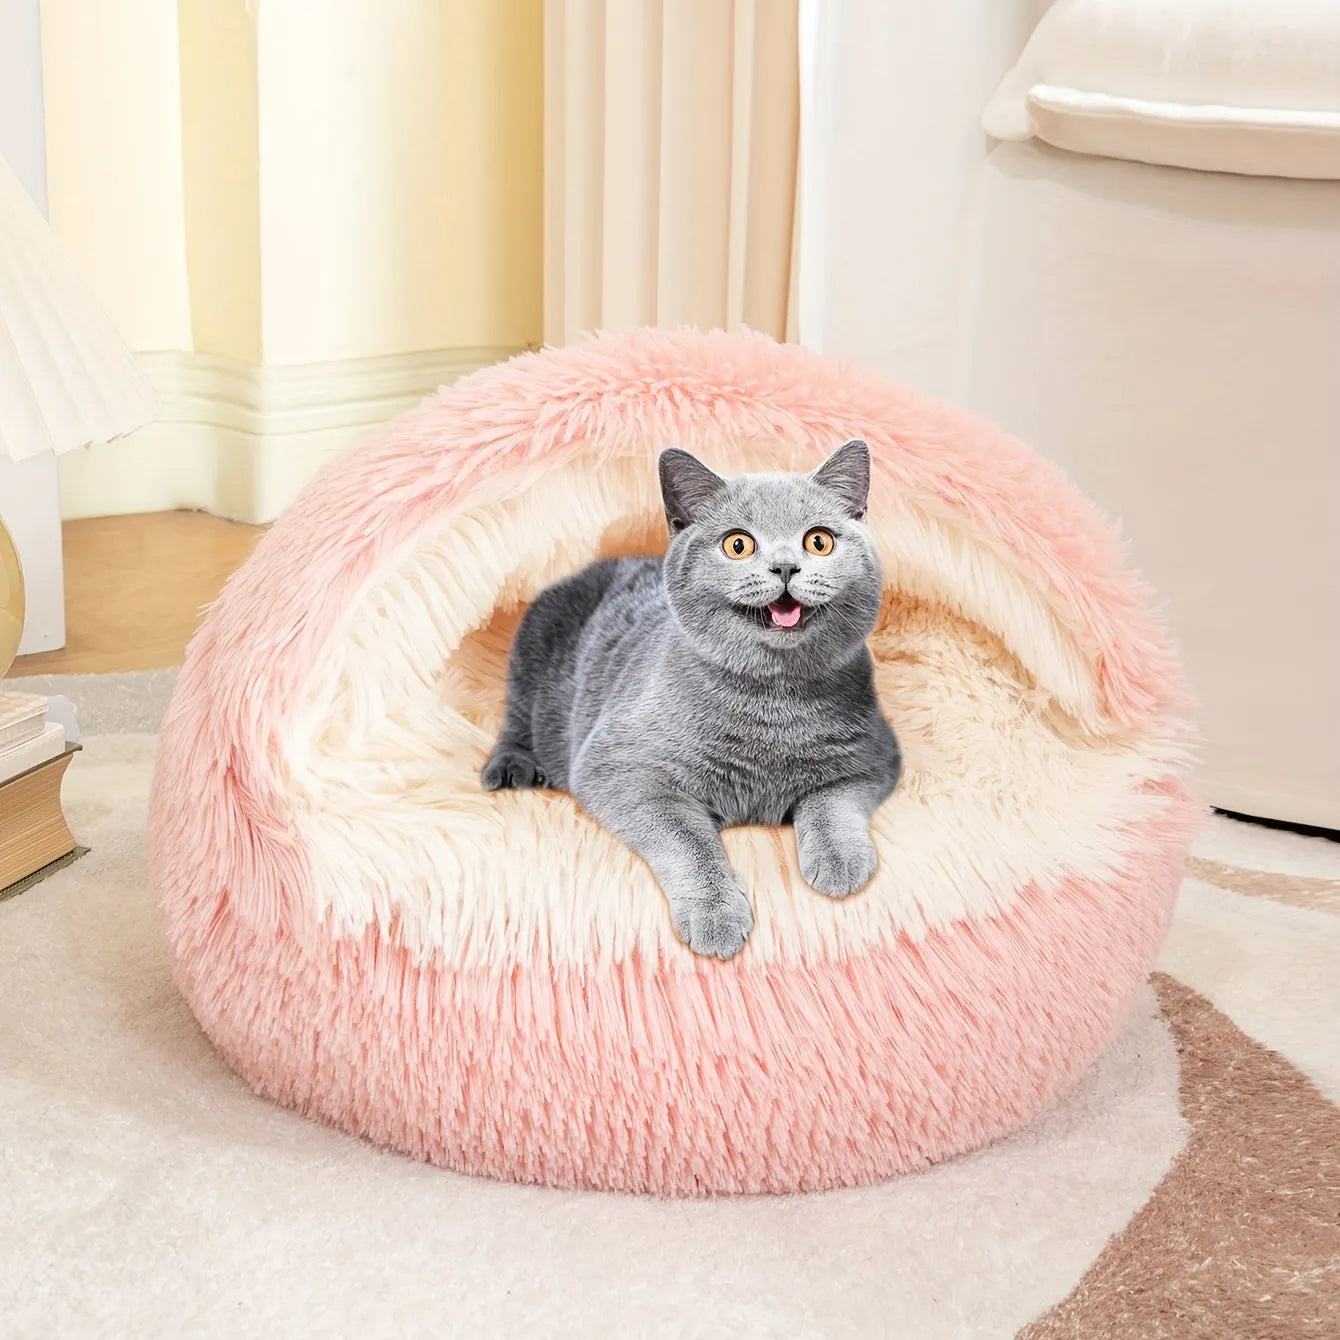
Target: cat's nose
{"points": [[785, 570]]}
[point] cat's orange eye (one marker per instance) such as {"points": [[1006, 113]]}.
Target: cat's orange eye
{"points": [[738, 544], [819, 541]]}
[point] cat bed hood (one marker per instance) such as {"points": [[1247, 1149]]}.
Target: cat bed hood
{"points": [[491, 982]]}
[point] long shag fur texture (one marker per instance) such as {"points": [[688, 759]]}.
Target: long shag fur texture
{"points": [[490, 982]]}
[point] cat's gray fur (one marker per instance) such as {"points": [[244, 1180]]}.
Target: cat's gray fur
{"points": [[659, 695]]}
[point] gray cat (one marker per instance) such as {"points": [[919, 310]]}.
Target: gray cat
{"points": [[728, 683]]}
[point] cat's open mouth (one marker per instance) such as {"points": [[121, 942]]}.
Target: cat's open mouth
{"points": [[786, 615], [787, 612]]}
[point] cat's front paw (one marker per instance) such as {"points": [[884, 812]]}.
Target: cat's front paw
{"points": [[836, 869], [511, 767], [715, 926]]}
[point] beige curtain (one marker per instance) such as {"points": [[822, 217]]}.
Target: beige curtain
{"points": [[671, 139]]}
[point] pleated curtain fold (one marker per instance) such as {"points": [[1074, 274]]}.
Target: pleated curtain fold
{"points": [[671, 146]]}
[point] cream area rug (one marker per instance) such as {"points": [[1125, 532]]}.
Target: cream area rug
{"points": [[1188, 1186]]}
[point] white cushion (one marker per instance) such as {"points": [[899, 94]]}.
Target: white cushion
{"points": [[1248, 86]]}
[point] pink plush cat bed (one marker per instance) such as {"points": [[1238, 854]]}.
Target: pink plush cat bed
{"points": [[491, 982]]}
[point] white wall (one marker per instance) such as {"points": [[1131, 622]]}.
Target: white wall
{"points": [[400, 177], [29, 493], [114, 161], [303, 215], [892, 95], [21, 140]]}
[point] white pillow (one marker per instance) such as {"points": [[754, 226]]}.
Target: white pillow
{"points": [[1223, 85]]}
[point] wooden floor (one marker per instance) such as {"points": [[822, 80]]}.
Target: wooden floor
{"points": [[135, 587]]}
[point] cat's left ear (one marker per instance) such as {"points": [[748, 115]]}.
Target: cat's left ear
{"points": [[686, 484], [847, 473]]}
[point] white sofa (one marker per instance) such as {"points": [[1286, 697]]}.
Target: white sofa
{"points": [[1172, 338]]}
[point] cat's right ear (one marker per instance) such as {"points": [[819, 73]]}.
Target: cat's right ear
{"points": [[686, 484]]}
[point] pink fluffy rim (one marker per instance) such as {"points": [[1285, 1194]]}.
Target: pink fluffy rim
{"points": [[768, 1078]]}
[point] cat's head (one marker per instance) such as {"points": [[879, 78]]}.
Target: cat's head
{"points": [[771, 572]]}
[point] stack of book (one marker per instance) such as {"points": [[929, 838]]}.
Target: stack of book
{"points": [[33, 757]]}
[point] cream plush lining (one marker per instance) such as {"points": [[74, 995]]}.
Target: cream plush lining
{"points": [[1010, 777]]}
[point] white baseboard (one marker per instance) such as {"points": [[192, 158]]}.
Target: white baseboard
{"points": [[240, 440]]}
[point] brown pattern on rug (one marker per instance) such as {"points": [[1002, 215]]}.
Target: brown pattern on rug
{"points": [[1242, 1237], [1322, 895]]}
